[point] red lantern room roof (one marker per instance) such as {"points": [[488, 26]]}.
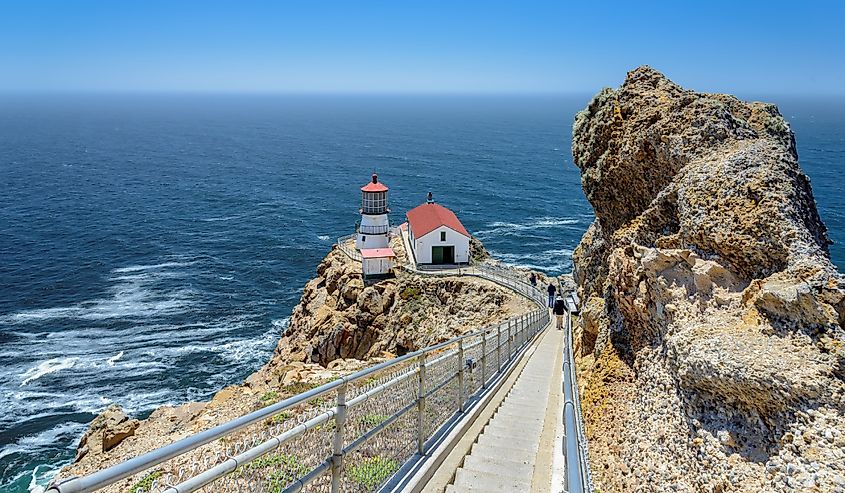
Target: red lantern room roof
{"points": [[374, 185]]}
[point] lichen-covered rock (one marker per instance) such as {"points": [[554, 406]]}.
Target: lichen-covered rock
{"points": [[707, 278]]}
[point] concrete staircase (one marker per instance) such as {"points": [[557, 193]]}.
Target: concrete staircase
{"points": [[504, 456]]}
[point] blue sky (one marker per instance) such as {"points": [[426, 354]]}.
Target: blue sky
{"points": [[427, 46]]}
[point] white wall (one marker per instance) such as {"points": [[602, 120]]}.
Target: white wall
{"points": [[373, 240], [375, 266], [422, 246]]}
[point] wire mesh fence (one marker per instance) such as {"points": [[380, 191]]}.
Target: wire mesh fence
{"points": [[351, 434]]}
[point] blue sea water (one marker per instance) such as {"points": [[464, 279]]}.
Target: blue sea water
{"points": [[153, 246]]}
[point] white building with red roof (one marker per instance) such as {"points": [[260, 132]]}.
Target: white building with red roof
{"points": [[436, 235]]}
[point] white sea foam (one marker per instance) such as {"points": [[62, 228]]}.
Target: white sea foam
{"points": [[163, 265], [133, 298], [324, 237], [46, 368], [556, 260], [501, 227], [114, 359], [65, 432]]}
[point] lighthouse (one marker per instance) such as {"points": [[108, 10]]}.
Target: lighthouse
{"points": [[373, 228]]}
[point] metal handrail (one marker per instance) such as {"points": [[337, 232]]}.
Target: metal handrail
{"points": [[579, 479], [372, 230], [528, 324], [342, 245]]}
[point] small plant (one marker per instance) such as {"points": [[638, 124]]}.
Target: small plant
{"points": [[373, 471], [411, 292], [146, 483], [300, 387], [373, 420], [286, 468], [281, 417], [271, 396]]}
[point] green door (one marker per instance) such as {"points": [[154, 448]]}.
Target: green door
{"points": [[436, 255], [449, 255]]}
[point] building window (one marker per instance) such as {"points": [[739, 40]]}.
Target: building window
{"points": [[363, 239], [442, 236]]}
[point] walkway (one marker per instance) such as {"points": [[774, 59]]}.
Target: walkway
{"points": [[514, 452]]}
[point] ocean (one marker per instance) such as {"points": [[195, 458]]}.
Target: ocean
{"points": [[152, 247]]}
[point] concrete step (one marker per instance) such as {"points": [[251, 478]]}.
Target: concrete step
{"points": [[480, 481], [465, 489], [507, 443], [509, 427], [516, 416], [498, 464], [486, 452]]}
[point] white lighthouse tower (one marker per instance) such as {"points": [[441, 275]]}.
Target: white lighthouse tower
{"points": [[374, 225]]}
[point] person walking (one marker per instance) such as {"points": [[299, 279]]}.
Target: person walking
{"points": [[559, 310], [551, 289], [533, 279]]}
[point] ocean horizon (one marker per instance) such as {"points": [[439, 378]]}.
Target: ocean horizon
{"points": [[152, 246]]}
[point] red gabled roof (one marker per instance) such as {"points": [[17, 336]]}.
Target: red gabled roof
{"points": [[374, 185], [425, 218], [377, 252]]}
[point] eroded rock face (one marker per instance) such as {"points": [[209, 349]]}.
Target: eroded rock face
{"points": [[339, 317], [106, 432], [712, 329]]}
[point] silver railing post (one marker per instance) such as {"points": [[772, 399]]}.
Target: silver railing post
{"points": [[510, 350], [484, 360], [461, 364], [337, 443], [499, 348], [421, 407]]}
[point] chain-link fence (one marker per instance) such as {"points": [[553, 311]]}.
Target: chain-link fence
{"points": [[352, 434]]}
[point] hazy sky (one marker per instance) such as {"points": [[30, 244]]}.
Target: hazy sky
{"points": [[425, 46]]}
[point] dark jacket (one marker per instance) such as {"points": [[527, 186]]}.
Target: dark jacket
{"points": [[551, 289], [560, 307]]}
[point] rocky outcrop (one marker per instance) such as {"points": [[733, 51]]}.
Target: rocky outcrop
{"points": [[341, 317], [341, 325], [713, 351], [106, 432]]}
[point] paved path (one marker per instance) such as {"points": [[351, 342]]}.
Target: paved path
{"points": [[521, 434]]}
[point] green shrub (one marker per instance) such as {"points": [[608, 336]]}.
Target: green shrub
{"points": [[271, 396], [285, 468], [281, 417], [145, 483], [373, 420], [411, 292], [373, 471]]}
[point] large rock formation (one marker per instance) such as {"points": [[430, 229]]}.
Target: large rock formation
{"points": [[341, 317], [712, 328]]}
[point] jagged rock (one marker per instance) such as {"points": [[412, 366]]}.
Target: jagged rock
{"points": [[370, 301], [708, 289], [106, 431]]}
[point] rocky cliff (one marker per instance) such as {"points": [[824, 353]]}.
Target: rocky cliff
{"points": [[340, 325], [713, 351]]}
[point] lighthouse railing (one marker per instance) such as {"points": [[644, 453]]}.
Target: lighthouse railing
{"points": [[346, 244]]}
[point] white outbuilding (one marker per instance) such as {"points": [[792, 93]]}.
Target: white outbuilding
{"points": [[377, 262], [436, 235]]}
